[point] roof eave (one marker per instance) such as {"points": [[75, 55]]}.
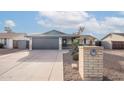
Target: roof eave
{"points": [[52, 36]]}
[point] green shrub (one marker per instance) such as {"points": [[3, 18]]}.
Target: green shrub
{"points": [[74, 50], [1, 45], [76, 56], [75, 45]]}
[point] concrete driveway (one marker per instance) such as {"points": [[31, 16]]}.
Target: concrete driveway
{"points": [[32, 65]]}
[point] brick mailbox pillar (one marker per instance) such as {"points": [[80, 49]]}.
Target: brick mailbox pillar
{"points": [[91, 62]]}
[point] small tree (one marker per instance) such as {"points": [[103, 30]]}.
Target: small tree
{"points": [[75, 45]]}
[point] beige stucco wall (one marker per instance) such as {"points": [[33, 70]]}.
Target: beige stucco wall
{"points": [[20, 37], [117, 38], [107, 44], [9, 43], [114, 37]]}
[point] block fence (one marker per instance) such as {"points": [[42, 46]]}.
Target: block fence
{"points": [[91, 62]]}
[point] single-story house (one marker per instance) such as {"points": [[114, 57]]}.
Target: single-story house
{"points": [[113, 41], [57, 40], [13, 40], [49, 40]]}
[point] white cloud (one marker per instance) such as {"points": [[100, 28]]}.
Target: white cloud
{"points": [[114, 21], [73, 20], [117, 31], [9, 23], [92, 24], [105, 26], [62, 19]]}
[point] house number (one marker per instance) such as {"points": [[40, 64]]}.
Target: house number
{"points": [[93, 52]]}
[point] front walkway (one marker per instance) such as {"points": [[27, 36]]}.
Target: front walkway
{"points": [[32, 65]]}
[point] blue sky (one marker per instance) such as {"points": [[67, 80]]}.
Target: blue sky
{"points": [[96, 23]]}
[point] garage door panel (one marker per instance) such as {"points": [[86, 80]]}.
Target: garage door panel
{"points": [[117, 45], [45, 43], [20, 44]]}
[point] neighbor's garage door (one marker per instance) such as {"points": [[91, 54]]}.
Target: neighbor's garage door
{"points": [[117, 44], [20, 44], [45, 43]]}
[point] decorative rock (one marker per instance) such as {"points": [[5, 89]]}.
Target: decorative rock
{"points": [[74, 66]]}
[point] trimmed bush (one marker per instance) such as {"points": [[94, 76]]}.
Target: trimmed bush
{"points": [[1, 45], [75, 56]]}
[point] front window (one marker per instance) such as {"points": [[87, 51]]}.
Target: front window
{"points": [[84, 40], [0, 40], [3, 41]]}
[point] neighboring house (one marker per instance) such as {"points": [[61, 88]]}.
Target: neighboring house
{"points": [[113, 41], [57, 40], [13, 40]]}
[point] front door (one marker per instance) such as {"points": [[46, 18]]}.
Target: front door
{"points": [[64, 42]]}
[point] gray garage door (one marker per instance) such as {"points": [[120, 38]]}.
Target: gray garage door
{"points": [[45, 43]]}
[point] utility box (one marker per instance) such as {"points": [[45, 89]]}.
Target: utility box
{"points": [[91, 62]]}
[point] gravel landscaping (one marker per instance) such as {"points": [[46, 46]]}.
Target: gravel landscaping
{"points": [[70, 74], [113, 66]]}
